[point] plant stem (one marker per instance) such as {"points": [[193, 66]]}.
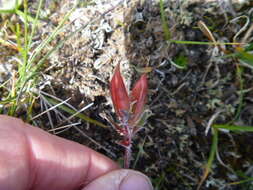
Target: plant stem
{"points": [[127, 156], [128, 146]]}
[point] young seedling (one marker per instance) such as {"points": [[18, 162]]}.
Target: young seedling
{"points": [[129, 109]]}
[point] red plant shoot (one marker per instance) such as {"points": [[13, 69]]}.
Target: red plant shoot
{"points": [[129, 109], [119, 94]]}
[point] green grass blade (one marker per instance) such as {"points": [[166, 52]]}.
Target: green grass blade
{"points": [[35, 23], [246, 57], [233, 127], [250, 179], [22, 15], [203, 43], [140, 153], [249, 47], [210, 158], [51, 37], [71, 111], [164, 19], [25, 53]]}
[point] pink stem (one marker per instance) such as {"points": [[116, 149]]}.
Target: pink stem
{"points": [[128, 148], [127, 156]]}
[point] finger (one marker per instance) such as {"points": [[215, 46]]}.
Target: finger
{"points": [[122, 179], [34, 159]]}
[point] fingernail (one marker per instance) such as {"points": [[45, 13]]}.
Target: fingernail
{"points": [[136, 181]]}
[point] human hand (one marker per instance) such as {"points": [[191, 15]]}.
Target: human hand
{"points": [[31, 158]]}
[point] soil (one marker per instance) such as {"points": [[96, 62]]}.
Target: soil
{"points": [[173, 147]]}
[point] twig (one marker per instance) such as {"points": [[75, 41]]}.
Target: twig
{"points": [[63, 128], [76, 113], [57, 105], [211, 120], [242, 28]]}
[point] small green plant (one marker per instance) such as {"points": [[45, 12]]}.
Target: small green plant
{"points": [[181, 61], [24, 80], [20, 90]]}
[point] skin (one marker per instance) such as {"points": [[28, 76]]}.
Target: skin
{"points": [[32, 159]]}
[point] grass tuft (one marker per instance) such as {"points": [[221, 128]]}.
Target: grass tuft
{"points": [[22, 86]]}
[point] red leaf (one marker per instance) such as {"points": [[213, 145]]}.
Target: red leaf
{"points": [[138, 97], [119, 94]]}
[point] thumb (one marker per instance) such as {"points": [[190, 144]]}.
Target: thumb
{"points": [[122, 179]]}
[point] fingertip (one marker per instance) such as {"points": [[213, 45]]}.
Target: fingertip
{"points": [[122, 179], [136, 181]]}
